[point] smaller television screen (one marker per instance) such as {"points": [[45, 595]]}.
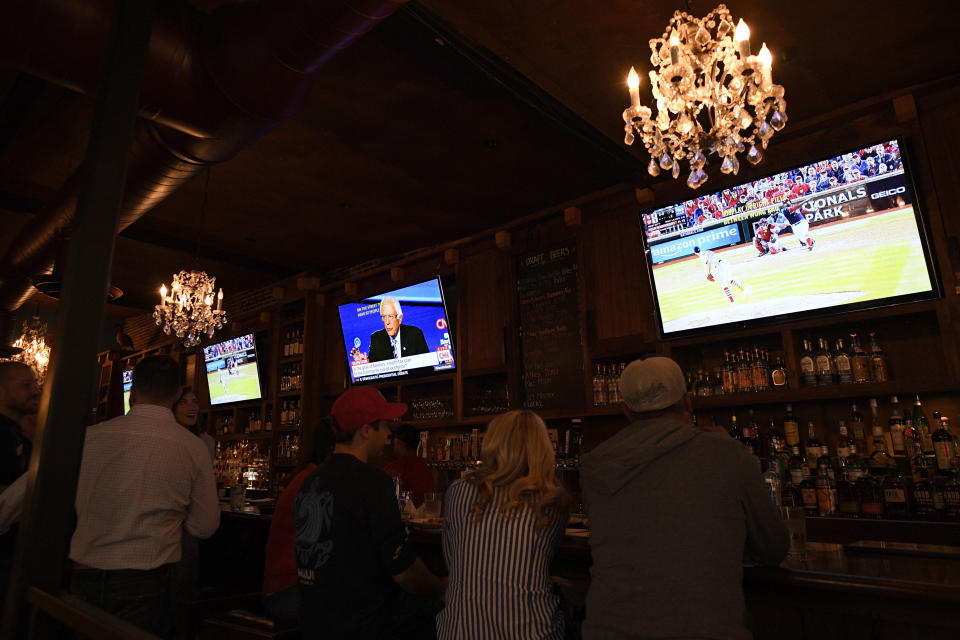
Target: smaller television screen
{"points": [[127, 385], [398, 334], [232, 374]]}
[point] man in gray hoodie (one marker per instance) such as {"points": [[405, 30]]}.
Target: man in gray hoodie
{"points": [[672, 511]]}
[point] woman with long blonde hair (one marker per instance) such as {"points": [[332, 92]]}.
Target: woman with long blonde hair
{"points": [[501, 528]]}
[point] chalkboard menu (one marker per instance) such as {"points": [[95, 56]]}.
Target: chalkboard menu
{"points": [[549, 295]]}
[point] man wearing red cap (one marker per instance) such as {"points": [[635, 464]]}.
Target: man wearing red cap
{"points": [[358, 577]]}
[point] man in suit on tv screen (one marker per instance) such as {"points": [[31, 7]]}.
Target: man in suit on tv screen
{"points": [[395, 340]]}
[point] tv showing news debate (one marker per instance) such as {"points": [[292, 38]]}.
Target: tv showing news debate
{"points": [[837, 234], [127, 386], [398, 334], [232, 374]]}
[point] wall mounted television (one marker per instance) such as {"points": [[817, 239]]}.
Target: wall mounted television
{"points": [[839, 234], [417, 315], [232, 373], [127, 386]]}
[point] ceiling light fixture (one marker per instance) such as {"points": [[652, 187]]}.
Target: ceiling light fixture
{"points": [[35, 352], [712, 96]]}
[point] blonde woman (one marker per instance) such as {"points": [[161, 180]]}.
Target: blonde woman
{"points": [[501, 528]]}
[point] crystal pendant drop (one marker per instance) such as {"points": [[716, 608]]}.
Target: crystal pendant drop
{"points": [[698, 160], [777, 121], [665, 161], [736, 165], [727, 165], [754, 155], [701, 177], [652, 168], [765, 131], [676, 170], [628, 138], [692, 180], [745, 119]]}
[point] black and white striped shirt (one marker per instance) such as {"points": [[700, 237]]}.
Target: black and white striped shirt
{"points": [[500, 585]]}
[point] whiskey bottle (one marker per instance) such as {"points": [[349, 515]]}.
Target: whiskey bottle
{"points": [[791, 430], [897, 501], [729, 373], [779, 376], [951, 496], [797, 465], [813, 448], [871, 496], [859, 361], [704, 388], [808, 368], [760, 370], [848, 500], [744, 373], [858, 430], [897, 425], [826, 491], [612, 382], [880, 462], [878, 361], [942, 445], [826, 372], [600, 388], [735, 432], [750, 432], [921, 424], [843, 442], [718, 389], [841, 360]]}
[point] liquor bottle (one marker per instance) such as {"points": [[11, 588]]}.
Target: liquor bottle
{"points": [[951, 496], [612, 381], [859, 361], [826, 491], [880, 461], [729, 373], [779, 376], [854, 466], [771, 480], [927, 496], [773, 439], [760, 371], [827, 464], [921, 424], [826, 370], [841, 360], [897, 425], [704, 388], [791, 429], [796, 465], [781, 457], [897, 501], [942, 444], [843, 442], [858, 430], [813, 448], [878, 361], [807, 487], [735, 429], [600, 388], [750, 431], [744, 374], [808, 367], [848, 499], [871, 496]]}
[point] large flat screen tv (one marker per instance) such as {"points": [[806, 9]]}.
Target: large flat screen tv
{"points": [[127, 386], [232, 374], [398, 334], [838, 234]]}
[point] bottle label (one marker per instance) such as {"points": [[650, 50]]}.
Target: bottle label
{"points": [[861, 369], [871, 508], [942, 450], [855, 474], [879, 368], [827, 501], [792, 431], [809, 497], [843, 452], [894, 495], [779, 378], [843, 364], [796, 476], [806, 364], [896, 434], [823, 365]]}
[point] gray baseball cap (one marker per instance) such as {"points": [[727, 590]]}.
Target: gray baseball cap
{"points": [[652, 384]]}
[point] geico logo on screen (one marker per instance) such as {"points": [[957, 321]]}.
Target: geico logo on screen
{"points": [[888, 192]]}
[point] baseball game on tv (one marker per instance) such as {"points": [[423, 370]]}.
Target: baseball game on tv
{"points": [[401, 333], [232, 374], [838, 234]]}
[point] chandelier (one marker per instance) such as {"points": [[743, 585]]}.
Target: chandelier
{"points": [[712, 96], [188, 311], [35, 350]]}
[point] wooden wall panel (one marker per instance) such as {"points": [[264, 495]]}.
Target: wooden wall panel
{"points": [[615, 278], [483, 310]]}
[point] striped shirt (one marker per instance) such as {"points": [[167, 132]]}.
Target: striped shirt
{"points": [[499, 572]]}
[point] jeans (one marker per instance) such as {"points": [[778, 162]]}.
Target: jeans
{"points": [[141, 597]]}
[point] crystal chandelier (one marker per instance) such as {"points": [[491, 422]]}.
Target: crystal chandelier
{"points": [[35, 350], [188, 311], [712, 96]]}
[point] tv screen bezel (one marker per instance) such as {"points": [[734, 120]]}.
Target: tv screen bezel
{"points": [[256, 351], [414, 374], [929, 252]]}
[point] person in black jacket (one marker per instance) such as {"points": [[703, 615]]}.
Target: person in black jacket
{"points": [[395, 340]]}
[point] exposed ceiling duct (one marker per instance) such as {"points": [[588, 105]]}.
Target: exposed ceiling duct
{"points": [[213, 85]]}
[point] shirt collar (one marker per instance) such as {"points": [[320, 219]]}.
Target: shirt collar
{"points": [[151, 411]]}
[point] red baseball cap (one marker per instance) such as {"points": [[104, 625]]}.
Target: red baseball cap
{"points": [[364, 405]]}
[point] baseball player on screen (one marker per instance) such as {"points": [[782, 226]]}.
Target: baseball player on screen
{"points": [[718, 271]]}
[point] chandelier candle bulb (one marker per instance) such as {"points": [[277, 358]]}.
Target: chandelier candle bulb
{"points": [[219, 299], [766, 61], [742, 35], [633, 83], [163, 295], [675, 49]]}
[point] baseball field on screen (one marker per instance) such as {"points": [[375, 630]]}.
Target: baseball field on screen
{"points": [[867, 258], [242, 385]]}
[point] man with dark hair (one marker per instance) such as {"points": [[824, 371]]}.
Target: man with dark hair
{"points": [[672, 510], [19, 398], [413, 472], [358, 577], [143, 479]]}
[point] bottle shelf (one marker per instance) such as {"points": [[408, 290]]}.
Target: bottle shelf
{"points": [[259, 435], [289, 394], [286, 359], [834, 392]]}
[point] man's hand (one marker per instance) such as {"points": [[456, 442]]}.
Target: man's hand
{"points": [[710, 277]]}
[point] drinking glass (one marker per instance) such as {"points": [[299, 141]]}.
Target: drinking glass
{"points": [[433, 503], [793, 517]]}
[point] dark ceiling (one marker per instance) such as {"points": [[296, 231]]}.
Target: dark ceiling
{"points": [[451, 117]]}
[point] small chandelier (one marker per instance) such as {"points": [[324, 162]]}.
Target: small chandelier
{"points": [[188, 311], [712, 96], [35, 350]]}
